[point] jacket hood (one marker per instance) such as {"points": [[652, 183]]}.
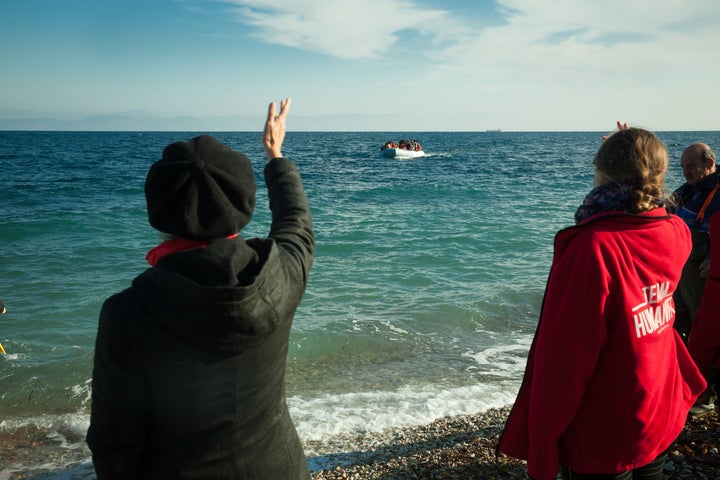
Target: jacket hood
{"points": [[613, 221], [212, 297], [654, 214]]}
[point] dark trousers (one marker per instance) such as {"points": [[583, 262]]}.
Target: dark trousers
{"points": [[651, 471]]}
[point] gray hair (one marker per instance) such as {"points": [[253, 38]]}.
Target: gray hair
{"points": [[708, 154]]}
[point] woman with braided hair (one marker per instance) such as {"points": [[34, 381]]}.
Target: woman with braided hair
{"points": [[609, 382]]}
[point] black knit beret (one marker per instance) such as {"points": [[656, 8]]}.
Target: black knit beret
{"points": [[200, 190]]}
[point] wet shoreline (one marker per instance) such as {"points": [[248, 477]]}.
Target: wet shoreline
{"points": [[460, 447]]}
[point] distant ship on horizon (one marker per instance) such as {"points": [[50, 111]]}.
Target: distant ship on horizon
{"points": [[494, 130]]}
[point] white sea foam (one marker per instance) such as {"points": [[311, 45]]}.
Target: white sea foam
{"points": [[507, 361], [320, 419], [328, 416]]}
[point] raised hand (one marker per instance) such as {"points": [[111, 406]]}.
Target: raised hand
{"points": [[274, 132]]}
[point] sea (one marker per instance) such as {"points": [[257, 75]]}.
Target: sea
{"points": [[422, 301]]}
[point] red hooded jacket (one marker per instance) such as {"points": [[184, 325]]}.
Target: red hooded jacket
{"points": [[608, 382], [704, 340]]}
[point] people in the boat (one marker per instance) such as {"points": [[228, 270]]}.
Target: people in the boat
{"points": [[412, 145]]}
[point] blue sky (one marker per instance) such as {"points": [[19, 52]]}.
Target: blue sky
{"points": [[360, 65]]}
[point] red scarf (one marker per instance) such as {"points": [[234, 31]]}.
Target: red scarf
{"points": [[175, 245]]}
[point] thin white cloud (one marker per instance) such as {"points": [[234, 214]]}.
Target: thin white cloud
{"points": [[553, 37], [577, 40], [578, 61], [529, 63], [348, 29]]}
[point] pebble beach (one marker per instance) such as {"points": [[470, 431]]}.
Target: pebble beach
{"points": [[449, 448]]}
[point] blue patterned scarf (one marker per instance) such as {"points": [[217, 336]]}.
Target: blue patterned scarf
{"points": [[611, 197]]}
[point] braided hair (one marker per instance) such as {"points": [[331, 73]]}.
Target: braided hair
{"points": [[638, 159]]}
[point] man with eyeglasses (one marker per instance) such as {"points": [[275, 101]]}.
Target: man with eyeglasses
{"points": [[696, 202]]}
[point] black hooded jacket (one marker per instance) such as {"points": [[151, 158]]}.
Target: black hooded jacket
{"points": [[188, 379]]}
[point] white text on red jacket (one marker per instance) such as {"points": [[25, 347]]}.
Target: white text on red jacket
{"points": [[656, 312]]}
